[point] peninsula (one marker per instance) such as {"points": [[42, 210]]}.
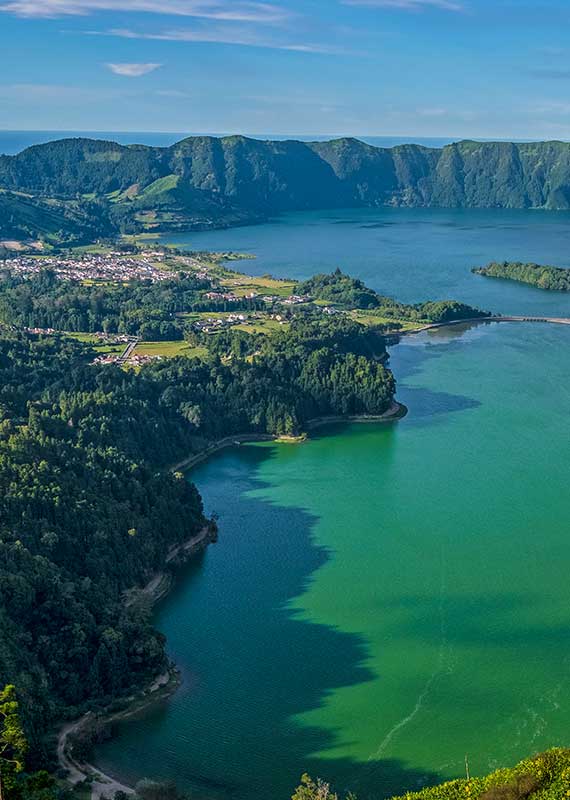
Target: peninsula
{"points": [[116, 364]]}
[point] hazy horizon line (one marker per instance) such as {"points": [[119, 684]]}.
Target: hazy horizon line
{"points": [[264, 134]]}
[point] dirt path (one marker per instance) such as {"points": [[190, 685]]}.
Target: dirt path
{"points": [[102, 786]]}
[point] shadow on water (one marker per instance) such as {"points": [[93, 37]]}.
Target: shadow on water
{"points": [[409, 359], [250, 663]]}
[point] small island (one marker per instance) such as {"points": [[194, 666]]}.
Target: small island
{"points": [[554, 279]]}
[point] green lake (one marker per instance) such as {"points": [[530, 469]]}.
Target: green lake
{"points": [[384, 599]]}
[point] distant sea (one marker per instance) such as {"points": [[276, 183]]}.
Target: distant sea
{"points": [[12, 142]]}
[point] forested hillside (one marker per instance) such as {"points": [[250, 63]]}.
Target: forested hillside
{"points": [[89, 509], [206, 181], [23, 217], [85, 514]]}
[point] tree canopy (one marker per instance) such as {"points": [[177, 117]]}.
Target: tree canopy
{"points": [[555, 279]]}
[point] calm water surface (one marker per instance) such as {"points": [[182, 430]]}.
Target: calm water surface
{"points": [[384, 599], [411, 254]]}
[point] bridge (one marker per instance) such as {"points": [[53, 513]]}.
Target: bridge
{"points": [[498, 318]]}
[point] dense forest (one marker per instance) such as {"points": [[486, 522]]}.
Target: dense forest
{"points": [[140, 308], [554, 278], [85, 513], [205, 181], [89, 509]]}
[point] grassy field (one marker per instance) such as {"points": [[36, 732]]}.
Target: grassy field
{"points": [[169, 349], [241, 284], [370, 318], [99, 346], [256, 325], [267, 326]]}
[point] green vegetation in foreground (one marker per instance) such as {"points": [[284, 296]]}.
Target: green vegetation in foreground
{"points": [[544, 777], [555, 279], [206, 182], [15, 782]]}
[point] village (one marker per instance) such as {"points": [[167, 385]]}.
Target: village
{"points": [[272, 300], [111, 266]]}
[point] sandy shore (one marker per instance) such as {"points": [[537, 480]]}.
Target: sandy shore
{"points": [[103, 785]]}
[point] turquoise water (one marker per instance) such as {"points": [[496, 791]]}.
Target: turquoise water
{"points": [[383, 599]]}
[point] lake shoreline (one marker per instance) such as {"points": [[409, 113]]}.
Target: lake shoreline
{"points": [[159, 689], [155, 590], [396, 411]]}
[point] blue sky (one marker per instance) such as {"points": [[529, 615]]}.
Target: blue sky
{"points": [[480, 68]]}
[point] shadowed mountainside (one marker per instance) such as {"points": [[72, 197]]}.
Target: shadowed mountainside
{"points": [[212, 182]]}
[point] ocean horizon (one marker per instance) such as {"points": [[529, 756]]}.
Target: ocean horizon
{"points": [[12, 142]]}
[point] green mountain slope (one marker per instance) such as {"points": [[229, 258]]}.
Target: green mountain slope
{"points": [[26, 217], [206, 181]]}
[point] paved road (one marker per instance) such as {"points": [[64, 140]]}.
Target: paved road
{"points": [[127, 352]]}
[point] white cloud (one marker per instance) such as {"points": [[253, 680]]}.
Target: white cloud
{"points": [[408, 5], [132, 70], [222, 35], [231, 10]]}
